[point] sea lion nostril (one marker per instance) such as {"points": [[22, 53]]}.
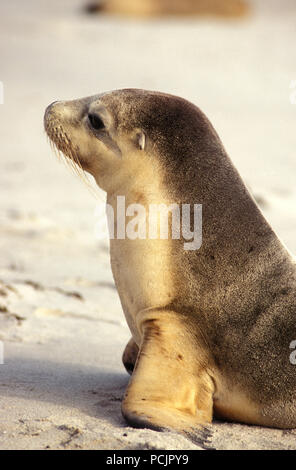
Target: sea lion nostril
{"points": [[95, 121]]}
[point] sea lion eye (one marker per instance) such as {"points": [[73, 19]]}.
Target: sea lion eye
{"points": [[95, 121]]}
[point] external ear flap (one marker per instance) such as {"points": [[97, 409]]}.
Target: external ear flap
{"points": [[141, 140]]}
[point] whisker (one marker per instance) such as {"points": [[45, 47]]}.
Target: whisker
{"points": [[74, 164], [63, 150]]}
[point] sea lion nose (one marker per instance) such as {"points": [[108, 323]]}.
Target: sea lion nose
{"points": [[61, 110], [49, 109], [51, 104]]}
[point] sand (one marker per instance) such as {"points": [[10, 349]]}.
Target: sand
{"points": [[61, 322]]}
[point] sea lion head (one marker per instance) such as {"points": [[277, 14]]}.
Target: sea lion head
{"points": [[114, 133]]}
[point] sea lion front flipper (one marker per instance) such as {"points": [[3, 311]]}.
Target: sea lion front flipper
{"points": [[129, 356], [170, 387]]}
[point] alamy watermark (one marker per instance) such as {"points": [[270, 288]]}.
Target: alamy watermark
{"points": [[293, 93], [158, 221]]}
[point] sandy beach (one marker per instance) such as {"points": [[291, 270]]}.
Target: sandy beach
{"points": [[61, 321]]}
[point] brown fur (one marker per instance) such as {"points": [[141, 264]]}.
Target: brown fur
{"points": [[152, 8]]}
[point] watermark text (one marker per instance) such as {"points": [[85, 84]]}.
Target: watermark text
{"points": [[155, 221]]}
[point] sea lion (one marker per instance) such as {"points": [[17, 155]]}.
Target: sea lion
{"points": [[211, 328]]}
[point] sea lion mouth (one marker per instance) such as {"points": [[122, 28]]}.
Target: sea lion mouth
{"points": [[62, 145]]}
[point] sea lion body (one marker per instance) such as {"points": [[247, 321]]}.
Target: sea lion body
{"points": [[211, 327]]}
